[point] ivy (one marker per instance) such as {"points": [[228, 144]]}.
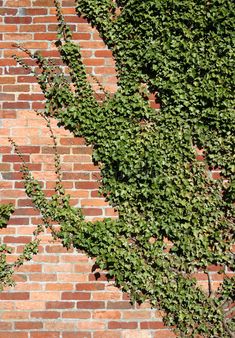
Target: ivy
{"points": [[7, 269], [182, 53], [5, 212]]}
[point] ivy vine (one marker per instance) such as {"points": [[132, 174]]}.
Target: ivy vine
{"points": [[183, 53], [7, 269]]}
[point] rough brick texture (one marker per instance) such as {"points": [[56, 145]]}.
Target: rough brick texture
{"points": [[56, 295]]}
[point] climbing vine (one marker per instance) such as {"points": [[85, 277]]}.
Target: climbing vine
{"points": [[7, 269], [174, 219]]}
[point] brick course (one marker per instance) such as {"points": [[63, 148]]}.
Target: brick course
{"points": [[56, 295]]}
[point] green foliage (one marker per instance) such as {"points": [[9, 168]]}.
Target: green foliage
{"points": [[30, 249], [5, 212], [183, 51], [5, 270]]}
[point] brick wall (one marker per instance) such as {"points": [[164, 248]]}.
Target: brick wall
{"points": [[57, 295]]}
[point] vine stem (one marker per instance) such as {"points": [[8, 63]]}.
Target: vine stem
{"points": [[210, 291]]}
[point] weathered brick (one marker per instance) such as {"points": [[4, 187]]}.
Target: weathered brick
{"points": [[122, 325], [107, 314], [75, 295], [164, 334], [77, 335], [18, 20], [6, 326], [14, 295], [108, 334], [90, 305], [152, 325], [90, 286], [77, 314], [59, 305], [11, 334], [119, 305], [45, 314], [14, 315], [45, 334], [28, 325]]}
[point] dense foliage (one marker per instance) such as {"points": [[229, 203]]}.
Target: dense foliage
{"points": [[174, 219]]}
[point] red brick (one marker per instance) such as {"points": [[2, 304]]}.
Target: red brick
{"points": [[45, 36], [31, 166], [7, 97], [216, 175], [4, 185], [90, 286], [14, 315], [31, 97], [27, 79], [76, 314], [14, 158], [76, 295], [11, 334], [119, 305], [75, 176], [38, 105], [59, 305], [7, 62], [48, 277], [43, 3], [76, 335], [35, 11], [27, 211], [164, 334], [50, 150], [56, 249], [82, 150], [215, 268], [18, 20], [72, 141], [32, 28], [5, 167], [28, 325], [7, 11], [107, 334], [44, 334], [122, 325], [17, 37], [108, 314], [87, 185], [12, 176], [92, 212], [5, 150], [8, 28], [44, 19], [152, 325], [14, 295], [45, 314], [15, 105], [7, 114], [35, 45], [31, 268], [17, 239], [90, 305], [16, 88], [103, 53], [6, 326]]}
